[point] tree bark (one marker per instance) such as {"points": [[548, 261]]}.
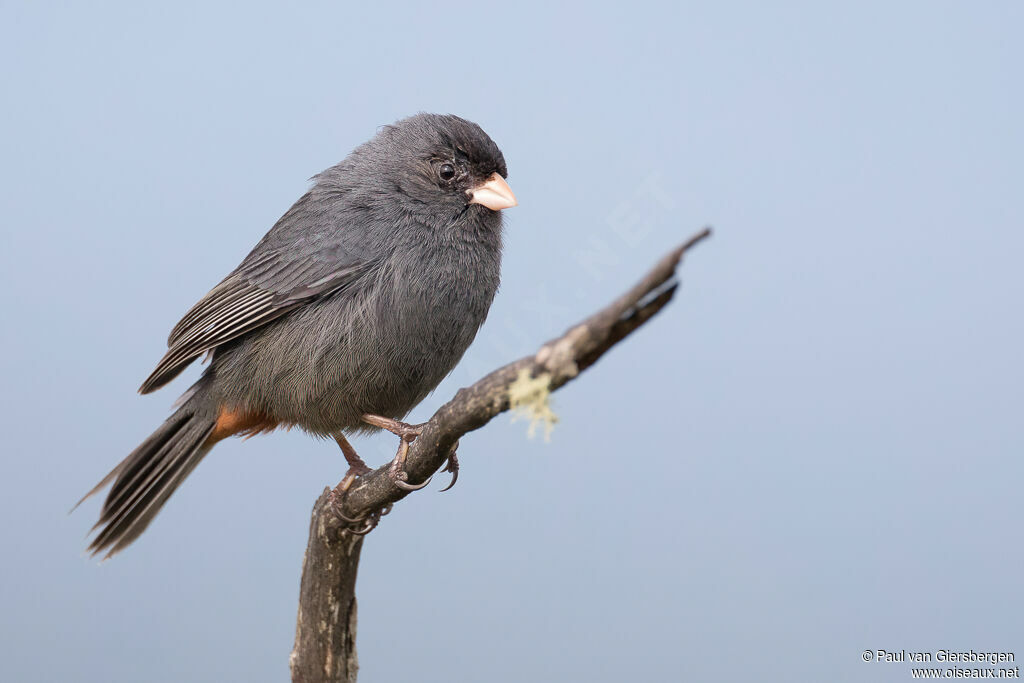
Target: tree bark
{"points": [[325, 636]]}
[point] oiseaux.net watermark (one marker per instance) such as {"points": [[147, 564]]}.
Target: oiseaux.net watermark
{"points": [[949, 663]]}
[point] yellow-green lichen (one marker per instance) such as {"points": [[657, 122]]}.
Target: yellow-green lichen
{"points": [[530, 398]]}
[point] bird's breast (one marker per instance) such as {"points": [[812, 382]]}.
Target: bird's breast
{"points": [[439, 300]]}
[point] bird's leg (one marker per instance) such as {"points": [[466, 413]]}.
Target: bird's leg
{"points": [[356, 468], [406, 434], [403, 430]]}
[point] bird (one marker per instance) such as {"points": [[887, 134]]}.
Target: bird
{"points": [[355, 305]]}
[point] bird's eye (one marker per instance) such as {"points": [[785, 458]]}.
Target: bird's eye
{"points": [[447, 171]]}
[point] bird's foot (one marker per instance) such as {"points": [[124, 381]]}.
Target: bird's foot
{"points": [[356, 469], [397, 469], [365, 524], [406, 433]]}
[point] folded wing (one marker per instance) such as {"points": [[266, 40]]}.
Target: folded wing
{"points": [[273, 280]]}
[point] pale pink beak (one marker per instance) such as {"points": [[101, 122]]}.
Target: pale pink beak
{"points": [[495, 194]]}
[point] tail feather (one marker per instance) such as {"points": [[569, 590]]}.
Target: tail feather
{"points": [[130, 472], [144, 480], [139, 473]]}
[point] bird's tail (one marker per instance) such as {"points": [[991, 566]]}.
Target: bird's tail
{"points": [[150, 474]]}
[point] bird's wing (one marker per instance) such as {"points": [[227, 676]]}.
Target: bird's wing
{"points": [[268, 284]]}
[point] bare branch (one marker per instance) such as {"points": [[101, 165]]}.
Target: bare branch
{"points": [[325, 638]]}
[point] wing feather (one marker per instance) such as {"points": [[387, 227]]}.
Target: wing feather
{"points": [[239, 305], [306, 255]]}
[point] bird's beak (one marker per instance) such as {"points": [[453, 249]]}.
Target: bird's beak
{"points": [[495, 194]]}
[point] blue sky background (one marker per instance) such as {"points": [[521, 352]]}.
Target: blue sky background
{"points": [[816, 450]]}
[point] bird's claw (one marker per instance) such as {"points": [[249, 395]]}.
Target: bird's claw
{"points": [[369, 522], [397, 471], [400, 483], [339, 492], [337, 502], [453, 467]]}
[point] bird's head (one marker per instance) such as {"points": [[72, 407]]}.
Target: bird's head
{"points": [[437, 169]]}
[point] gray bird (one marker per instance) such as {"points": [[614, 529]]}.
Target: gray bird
{"points": [[355, 305]]}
